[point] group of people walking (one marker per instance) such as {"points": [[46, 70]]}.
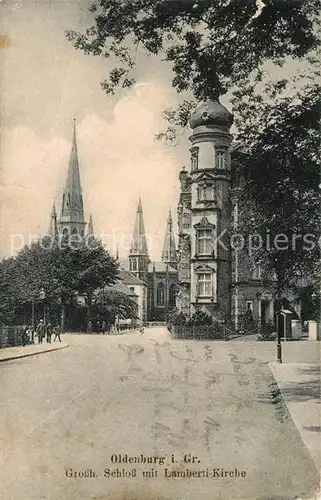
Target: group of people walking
{"points": [[42, 332], [46, 331]]}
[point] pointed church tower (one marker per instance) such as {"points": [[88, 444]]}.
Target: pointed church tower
{"points": [[71, 219], [53, 228], [169, 255], [138, 255], [90, 228]]}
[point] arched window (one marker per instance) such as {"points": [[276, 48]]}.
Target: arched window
{"points": [[74, 231], [160, 294], [65, 232], [172, 295]]}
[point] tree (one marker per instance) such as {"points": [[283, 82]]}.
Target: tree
{"points": [[214, 47], [61, 270], [108, 304], [280, 171], [211, 46]]}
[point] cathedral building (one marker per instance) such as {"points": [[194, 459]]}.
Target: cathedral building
{"points": [[151, 284], [159, 278]]}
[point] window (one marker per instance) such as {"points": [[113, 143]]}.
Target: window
{"points": [[172, 295], [249, 305], [256, 275], [74, 231], [205, 192], [132, 289], [194, 159], [204, 284], [161, 294], [204, 242], [220, 159]]}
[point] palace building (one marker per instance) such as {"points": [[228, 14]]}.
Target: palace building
{"points": [[211, 277]]}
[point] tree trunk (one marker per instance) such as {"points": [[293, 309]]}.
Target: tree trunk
{"points": [[89, 319], [63, 316]]}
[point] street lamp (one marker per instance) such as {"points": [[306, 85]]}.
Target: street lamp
{"points": [[42, 296]]}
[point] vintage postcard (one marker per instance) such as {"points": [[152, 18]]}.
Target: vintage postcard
{"points": [[160, 250]]}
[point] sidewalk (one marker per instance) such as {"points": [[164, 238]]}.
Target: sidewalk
{"points": [[10, 353], [299, 384]]}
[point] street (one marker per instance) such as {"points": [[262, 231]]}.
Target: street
{"points": [[149, 396]]}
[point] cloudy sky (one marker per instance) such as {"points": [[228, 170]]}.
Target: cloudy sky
{"points": [[45, 82]]}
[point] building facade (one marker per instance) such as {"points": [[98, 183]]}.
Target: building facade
{"points": [[212, 276], [204, 216]]}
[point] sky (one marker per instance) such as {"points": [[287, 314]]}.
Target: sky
{"points": [[45, 82]]}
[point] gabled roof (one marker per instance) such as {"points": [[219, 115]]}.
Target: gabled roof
{"points": [[121, 288], [129, 279], [160, 267]]}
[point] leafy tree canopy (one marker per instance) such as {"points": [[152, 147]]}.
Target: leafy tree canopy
{"points": [[60, 270], [279, 166], [226, 45], [211, 46], [110, 303]]}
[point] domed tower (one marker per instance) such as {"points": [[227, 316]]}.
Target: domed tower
{"points": [[210, 288]]}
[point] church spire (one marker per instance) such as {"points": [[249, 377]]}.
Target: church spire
{"points": [[72, 209], [169, 255], [53, 230], [90, 229], [139, 244], [138, 254]]}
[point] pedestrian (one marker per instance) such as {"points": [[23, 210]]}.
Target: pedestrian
{"points": [[32, 335], [103, 327], [49, 333], [40, 331], [25, 336], [142, 330], [57, 333]]}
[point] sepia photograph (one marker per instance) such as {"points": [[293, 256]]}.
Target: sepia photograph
{"points": [[160, 278]]}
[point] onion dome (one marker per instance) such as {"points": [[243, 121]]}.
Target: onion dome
{"points": [[211, 113]]}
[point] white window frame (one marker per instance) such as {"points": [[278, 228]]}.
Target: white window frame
{"points": [[206, 240], [205, 279], [205, 192]]}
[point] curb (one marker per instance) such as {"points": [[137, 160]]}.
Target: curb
{"points": [[26, 355], [294, 421]]}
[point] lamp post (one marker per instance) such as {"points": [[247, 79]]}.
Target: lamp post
{"points": [[279, 345], [42, 296]]}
